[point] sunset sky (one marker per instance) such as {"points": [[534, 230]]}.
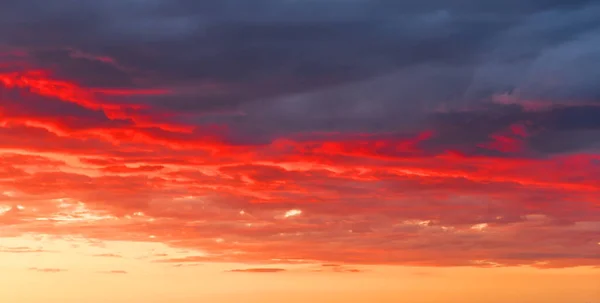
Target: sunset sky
{"points": [[280, 151]]}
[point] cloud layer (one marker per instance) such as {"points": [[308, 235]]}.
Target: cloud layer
{"points": [[430, 132]]}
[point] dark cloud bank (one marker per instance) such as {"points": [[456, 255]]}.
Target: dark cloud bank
{"points": [[465, 69]]}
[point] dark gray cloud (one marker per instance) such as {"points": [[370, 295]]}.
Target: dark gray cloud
{"points": [[551, 130], [271, 68], [26, 105], [85, 69]]}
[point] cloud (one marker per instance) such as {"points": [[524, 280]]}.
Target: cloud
{"points": [[201, 125], [21, 249], [188, 259], [47, 270], [258, 270], [185, 264], [117, 272], [339, 268], [108, 255]]}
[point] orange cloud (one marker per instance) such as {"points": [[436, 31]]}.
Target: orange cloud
{"points": [[108, 256], [47, 270], [117, 272], [21, 249], [258, 270]]}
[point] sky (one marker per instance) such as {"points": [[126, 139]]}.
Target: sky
{"points": [[272, 151]]}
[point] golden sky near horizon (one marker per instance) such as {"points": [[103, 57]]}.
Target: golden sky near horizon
{"points": [[70, 269]]}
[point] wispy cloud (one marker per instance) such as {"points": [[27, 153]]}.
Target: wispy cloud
{"points": [[47, 270], [21, 249], [118, 272], [108, 255], [258, 270]]}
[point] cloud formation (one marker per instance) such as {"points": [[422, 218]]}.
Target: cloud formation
{"points": [[435, 133]]}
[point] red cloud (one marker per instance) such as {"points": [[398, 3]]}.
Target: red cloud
{"points": [[509, 141], [126, 172]]}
